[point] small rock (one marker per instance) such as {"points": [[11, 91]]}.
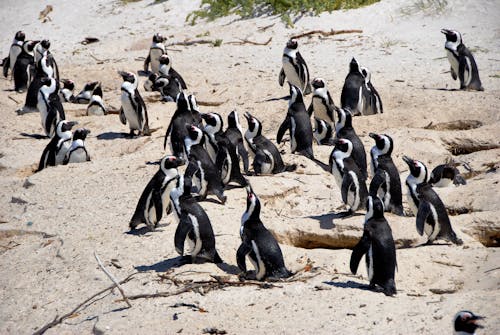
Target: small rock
{"points": [[16, 200]]}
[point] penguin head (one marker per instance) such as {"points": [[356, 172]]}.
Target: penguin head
{"points": [[64, 126], [453, 37], [80, 134], [97, 90], [158, 38], [466, 322], [374, 208], [344, 118], [20, 36], [383, 143], [182, 102], [195, 134], [171, 162], [295, 94], [165, 59], [49, 85], [90, 86], [253, 205], [354, 66], [233, 120], [129, 77], [45, 44], [28, 46], [254, 126], [366, 74], [318, 83], [417, 169], [344, 145], [68, 84], [214, 122], [321, 130], [292, 44], [193, 105]]}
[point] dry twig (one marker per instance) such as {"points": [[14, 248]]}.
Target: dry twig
{"points": [[328, 33], [210, 103], [113, 279], [245, 41]]}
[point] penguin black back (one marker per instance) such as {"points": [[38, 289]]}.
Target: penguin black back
{"points": [[352, 91]]}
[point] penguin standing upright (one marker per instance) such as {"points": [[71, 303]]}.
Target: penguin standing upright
{"points": [[15, 50], [323, 132], [22, 66], [234, 133], [466, 323], [155, 197], [445, 174], [176, 129], [352, 92], [156, 50], [418, 174], [259, 244], [462, 62], [373, 102], [77, 153], [294, 68], [55, 151], [96, 105], [322, 104], [166, 69], [66, 92], [385, 183], [133, 107], [298, 123], [377, 244], [49, 105], [86, 93], [194, 225]]}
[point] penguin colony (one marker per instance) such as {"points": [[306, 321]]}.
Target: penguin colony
{"points": [[211, 155]]}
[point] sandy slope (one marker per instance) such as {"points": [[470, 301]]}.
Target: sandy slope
{"points": [[87, 206]]}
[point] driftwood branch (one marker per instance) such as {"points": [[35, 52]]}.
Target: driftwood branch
{"points": [[113, 279], [11, 98], [325, 33], [210, 103], [192, 42], [245, 41]]}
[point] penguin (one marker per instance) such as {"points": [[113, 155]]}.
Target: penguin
{"points": [[377, 244], [201, 168], [86, 93], [77, 153], [195, 111], [55, 151], [298, 123], [322, 104], [213, 127], [166, 69], [149, 84], [24, 61], [385, 183], [168, 86], [194, 225], [418, 174], [234, 133], [15, 50], [49, 105], [156, 50], [352, 92], [66, 92], [323, 133], [259, 244], [96, 104], [267, 158], [176, 129], [466, 322], [344, 129], [463, 64], [294, 68], [133, 107], [373, 102], [155, 198], [348, 176], [444, 174]]}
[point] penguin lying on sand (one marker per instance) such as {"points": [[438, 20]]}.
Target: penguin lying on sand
{"points": [[56, 150], [77, 153], [466, 323]]}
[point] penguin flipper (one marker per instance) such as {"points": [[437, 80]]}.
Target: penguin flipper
{"points": [[243, 153], [358, 251], [43, 160], [285, 125], [146, 63], [123, 119], [310, 109], [281, 79], [462, 67], [183, 228], [424, 210], [158, 205], [6, 66], [177, 76], [453, 74], [377, 182], [242, 252], [347, 182]]}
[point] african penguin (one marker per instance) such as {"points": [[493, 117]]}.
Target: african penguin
{"points": [[55, 151], [445, 174], [352, 92], [322, 104], [195, 111], [194, 225], [24, 61], [15, 50], [462, 62], [86, 93], [96, 105], [385, 183], [133, 108], [155, 198], [418, 174], [49, 105], [294, 68], [373, 103], [259, 244], [234, 133], [168, 86], [298, 124], [66, 92], [377, 244], [323, 133], [166, 69], [156, 50], [77, 152], [176, 129], [212, 129], [466, 323]]}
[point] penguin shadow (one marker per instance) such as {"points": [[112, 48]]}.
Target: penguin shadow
{"points": [[35, 136], [144, 230], [349, 284], [286, 97], [111, 135], [143, 73], [229, 268], [325, 220], [165, 265], [432, 244]]}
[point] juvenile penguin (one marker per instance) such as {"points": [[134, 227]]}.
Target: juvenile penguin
{"points": [[49, 105], [96, 105], [377, 244], [259, 244], [418, 174], [86, 93], [322, 104], [298, 124], [55, 151], [156, 50], [155, 197], [77, 153], [133, 108], [176, 129], [352, 92], [294, 68], [385, 183], [348, 176], [466, 323], [24, 61], [15, 50], [323, 133], [267, 158], [166, 69], [445, 174], [344, 129], [194, 225], [234, 133], [66, 92], [462, 62], [373, 102]]}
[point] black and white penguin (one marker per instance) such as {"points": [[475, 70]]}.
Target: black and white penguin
{"points": [[49, 105], [348, 176], [156, 50], [21, 69], [294, 68], [66, 92], [176, 129], [322, 104], [344, 129], [418, 174], [96, 105], [133, 108], [323, 133], [166, 69], [56, 150], [201, 168], [462, 62], [267, 158], [298, 124], [445, 174], [352, 92], [155, 198], [385, 183], [77, 152], [466, 323], [15, 50], [194, 225], [234, 133], [377, 244], [86, 93], [373, 102], [213, 127], [259, 244]]}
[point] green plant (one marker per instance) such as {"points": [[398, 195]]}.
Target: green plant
{"points": [[426, 6]]}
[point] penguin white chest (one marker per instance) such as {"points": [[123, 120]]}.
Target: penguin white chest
{"points": [[320, 109], [130, 111], [155, 55], [258, 264], [453, 61], [369, 262], [293, 140], [77, 156], [63, 149], [291, 74]]}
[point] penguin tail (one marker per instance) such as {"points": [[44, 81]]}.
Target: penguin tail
{"points": [[290, 167], [217, 259]]}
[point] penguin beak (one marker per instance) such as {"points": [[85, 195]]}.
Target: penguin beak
{"points": [[474, 320], [445, 31], [408, 160], [374, 136]]}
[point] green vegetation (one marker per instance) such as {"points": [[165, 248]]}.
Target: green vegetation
{"points": [[431, 7], [286, 9]]}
